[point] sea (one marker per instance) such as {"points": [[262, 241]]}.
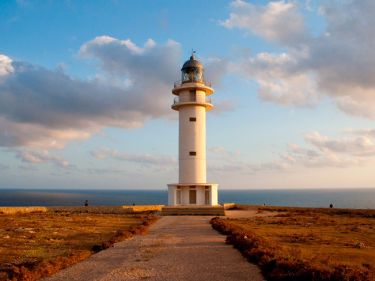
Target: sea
{"points": [[356, 198]]}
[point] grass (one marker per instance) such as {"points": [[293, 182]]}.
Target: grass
{"points": [[35, 245], [143, 208], [15, 210], [306, 243]]}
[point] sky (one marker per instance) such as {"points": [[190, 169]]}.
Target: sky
{"points": [[85, 92]]}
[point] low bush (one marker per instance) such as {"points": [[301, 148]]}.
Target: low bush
{"points": [[37, 268], [277, 264]]}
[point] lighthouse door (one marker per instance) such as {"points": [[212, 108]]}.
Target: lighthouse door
{"points": [[192, 196]]}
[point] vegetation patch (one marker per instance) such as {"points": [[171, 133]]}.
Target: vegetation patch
{"points": [[305, 243], [36, 245], [143, 208], [19, 210]]}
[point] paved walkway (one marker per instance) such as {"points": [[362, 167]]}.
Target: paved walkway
{"points": [[176, 248]]}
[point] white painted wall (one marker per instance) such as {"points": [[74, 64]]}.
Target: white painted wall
{"points": [[171, 195], [185, 193], [192, 137], [214, 194]]}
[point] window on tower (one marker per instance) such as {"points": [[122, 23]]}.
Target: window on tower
{"points": [[192, 119], [192, 153]]}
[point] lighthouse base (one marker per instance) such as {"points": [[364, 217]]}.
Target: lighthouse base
{"points": [[204, 194]]}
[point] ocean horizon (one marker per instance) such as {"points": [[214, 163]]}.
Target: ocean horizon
{"points": [[355, 198]]}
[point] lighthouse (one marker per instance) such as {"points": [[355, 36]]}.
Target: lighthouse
{"points": [[192, 101]]}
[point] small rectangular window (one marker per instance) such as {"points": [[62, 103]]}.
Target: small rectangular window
{"points": [[192, 153], [192, 119]]}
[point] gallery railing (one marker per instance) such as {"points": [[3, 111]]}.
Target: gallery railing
{"points": [[179, 100], [204, 82]]}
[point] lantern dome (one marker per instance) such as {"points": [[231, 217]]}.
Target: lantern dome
{"points": [[192, 63], [192, 70]]}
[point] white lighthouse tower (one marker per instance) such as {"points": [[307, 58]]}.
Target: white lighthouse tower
{"points": [[192, 103]]}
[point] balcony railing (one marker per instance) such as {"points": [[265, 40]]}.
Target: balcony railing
{"points": [[204, 82], [178, 100]]}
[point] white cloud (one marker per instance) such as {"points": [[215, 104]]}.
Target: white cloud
{"points": [[14, 134], [280, 80], [338, 63], [5, 66], [106, 40], [359, 146], [268, 21], [38, 157], [143, 159], [355, 149], [297, 156], [47, 108], [106, 171], [227, 161], [354, 105], [361, 132], [223, 152], [215, 69], [153, 65]]}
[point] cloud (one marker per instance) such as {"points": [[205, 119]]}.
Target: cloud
{"points": [[222, 151], [297, 156], [143, 159], [215, 69], [279, 79], [54, 107], [14, 134], [359, 146], [268, 21], [239, 167], [361, 132], [5, 66], [355, 149], [227, 161], [45, 109], [338, 63], [38, 157], [105, 171], [149, 64]]}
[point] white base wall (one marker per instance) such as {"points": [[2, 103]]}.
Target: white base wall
{"points": [[193, 194]]}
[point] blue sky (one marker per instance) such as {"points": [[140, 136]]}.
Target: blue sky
{"points": [[85, 92]]}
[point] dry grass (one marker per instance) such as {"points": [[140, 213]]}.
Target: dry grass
{"points": [[35, 245], [22, 210], [92, 209], [143, 208], [306, 243], [230, 206]]}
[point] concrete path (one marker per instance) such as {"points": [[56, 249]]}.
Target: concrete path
{"points": [[177, 248]]}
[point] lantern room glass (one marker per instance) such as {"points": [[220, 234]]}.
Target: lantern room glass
{"points": [[192, 75]]}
